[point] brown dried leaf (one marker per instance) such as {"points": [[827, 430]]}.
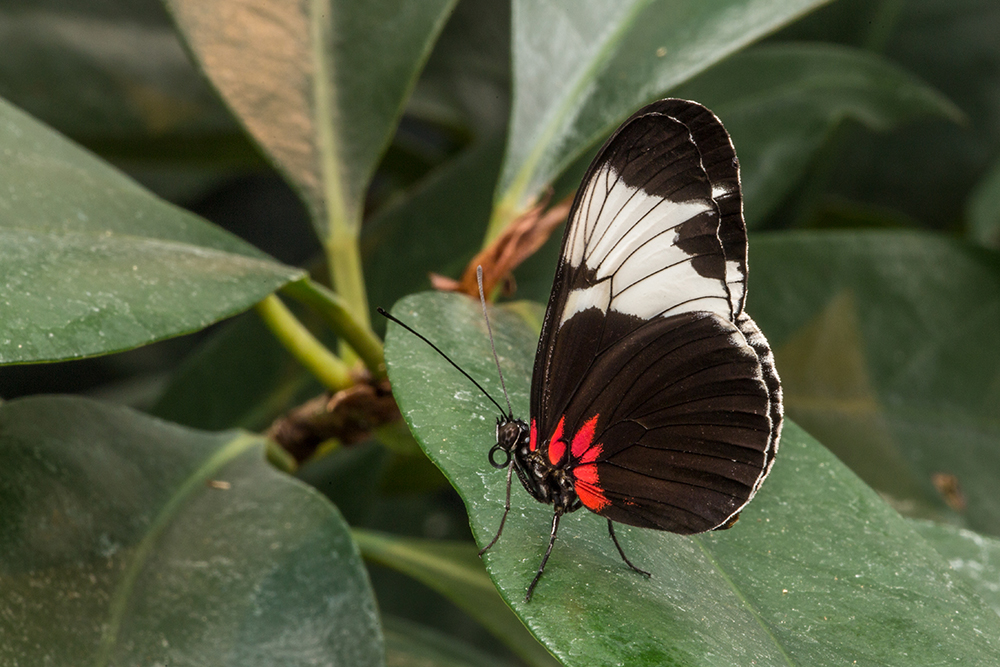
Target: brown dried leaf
{"points": [[949, 488], [522, 238]]}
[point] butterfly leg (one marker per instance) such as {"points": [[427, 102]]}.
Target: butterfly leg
{"points": [[545, 558], [611, 531], [506, 510]]}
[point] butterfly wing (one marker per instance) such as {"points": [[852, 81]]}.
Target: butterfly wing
{"points": [[675, 426], [659, 388]]}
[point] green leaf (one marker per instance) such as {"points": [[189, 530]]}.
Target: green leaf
{"points": [[925, 170], [240, 376], [437, 227], [580, 69], [107, 73], [819, 571], [127, 541], [467, 78], [885, 345], [983, 209], [974, 557], [780, 102], [94, 264], [414, 645], [454, 570], [320, 84]]}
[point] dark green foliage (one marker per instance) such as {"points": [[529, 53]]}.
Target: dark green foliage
{"points": [[869, 139]]}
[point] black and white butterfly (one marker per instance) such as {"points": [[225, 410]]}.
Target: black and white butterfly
{"points": [[654, 398]]}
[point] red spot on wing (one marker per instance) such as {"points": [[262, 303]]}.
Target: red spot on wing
{"points": [[533, 442], [557, 446], [557, 434], [557, 449], [588, 486], [584, 437], [587, 474], [591, 454]]}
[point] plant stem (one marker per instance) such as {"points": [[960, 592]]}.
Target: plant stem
{"points": [[325, 365], [333, 309], [343, 211], [280, 458], [344, 257]]}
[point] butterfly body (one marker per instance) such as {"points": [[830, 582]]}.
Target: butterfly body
{"points": [[654, 400], [544, 474]]}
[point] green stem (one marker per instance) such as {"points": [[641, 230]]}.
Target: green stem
{"points": [[333, 309], [326, 366], [344, 256], [343, 223], [279, 457]]}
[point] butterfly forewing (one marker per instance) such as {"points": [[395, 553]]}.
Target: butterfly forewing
{"points": [[651, 386], [718, 158]]}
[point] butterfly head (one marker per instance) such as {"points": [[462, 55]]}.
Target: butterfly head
{"points": [[512, 436]]}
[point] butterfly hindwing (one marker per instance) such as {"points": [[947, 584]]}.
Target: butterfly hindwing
{"points": [[682, 426]]}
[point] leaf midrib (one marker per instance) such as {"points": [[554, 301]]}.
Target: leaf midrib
{"points": [[123, 591], [750, 607], [520, 179]]}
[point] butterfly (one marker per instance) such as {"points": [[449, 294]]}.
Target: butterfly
{"points": [[654, 397]]}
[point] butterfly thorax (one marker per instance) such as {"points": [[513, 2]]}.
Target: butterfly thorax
{"points": [[545, 482]]}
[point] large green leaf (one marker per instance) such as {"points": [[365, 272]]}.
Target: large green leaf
{"points": [[974, 557], [320, 84], [128, 541], [93, 263], [580, 69], [240, 377], [885, 342], [106, 72], [436, 227], [780, 102], [983, 209], [818, 571], [454, 570]]}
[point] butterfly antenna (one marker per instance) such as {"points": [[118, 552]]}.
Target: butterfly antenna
{"points": [[489, 329], [389, 317]]}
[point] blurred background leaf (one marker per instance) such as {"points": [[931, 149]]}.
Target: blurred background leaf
{"points": [[320, 86], [413, 645], [880, 342], [113, 76], [781, 102], [924, 171], [984, 209], [239, 377], [126, 540], [579, 70]]}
